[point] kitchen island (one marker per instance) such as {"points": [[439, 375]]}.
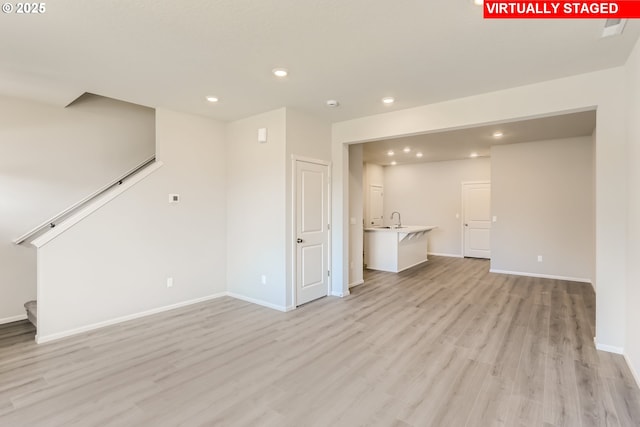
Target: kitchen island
{"points": [[395, 249]]}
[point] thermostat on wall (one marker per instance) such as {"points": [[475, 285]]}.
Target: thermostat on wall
{"points": [[174, 198]]}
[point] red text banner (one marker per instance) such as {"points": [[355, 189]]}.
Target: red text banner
{"points": [[561, 9]]}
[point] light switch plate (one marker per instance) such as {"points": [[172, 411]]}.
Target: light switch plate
{"points": [[262, 135], [174, 198]]}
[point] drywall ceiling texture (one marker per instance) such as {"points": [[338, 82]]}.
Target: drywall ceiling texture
{"points": [[603, 89], [632, 347], [52, 157], [114, 264], [431, 194], [542, 195], [172, 54]]}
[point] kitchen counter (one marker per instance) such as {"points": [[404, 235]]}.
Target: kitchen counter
{"points": [[395, 249], [404, 229]]}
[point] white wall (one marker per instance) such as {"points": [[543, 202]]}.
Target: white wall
{"points": [[603, 89], [115, 262], [50, 158], [256, 203], [356, 219], [373, 175], [260, 203], [593, 207], [431, 194], [309, 138], [632, 346], [542, 194]]}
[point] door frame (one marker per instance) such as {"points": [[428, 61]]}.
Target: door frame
{"points": [[294, 224], [369, 216], [462, 210]]}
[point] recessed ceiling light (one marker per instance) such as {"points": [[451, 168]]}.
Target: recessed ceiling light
{"points": [[332, 103], [478, 2], [418, 154], [498, 134], [280, 72], [212, 99], [388, 100], [407, 149], [394, 163], [473, 155], [390, 153]]}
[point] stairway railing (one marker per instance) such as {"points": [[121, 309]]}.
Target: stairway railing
{"points": [[53, 221]]}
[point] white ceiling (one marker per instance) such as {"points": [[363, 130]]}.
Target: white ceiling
{"points": [[171, 54], [459, 144]]}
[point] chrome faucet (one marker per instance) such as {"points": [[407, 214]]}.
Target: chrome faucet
{"points": [[399, 218]]}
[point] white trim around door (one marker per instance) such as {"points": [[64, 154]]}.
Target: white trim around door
{"points": [[479, 224], [294, 226]]}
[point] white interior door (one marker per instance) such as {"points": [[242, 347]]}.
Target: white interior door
{"points": [[376, 205], [312, 229], [476, 201]]}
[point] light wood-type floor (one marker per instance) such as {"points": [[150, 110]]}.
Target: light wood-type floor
{"points": [[444, 344]]}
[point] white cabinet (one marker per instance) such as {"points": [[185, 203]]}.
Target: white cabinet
{"points": [[396, 249]]}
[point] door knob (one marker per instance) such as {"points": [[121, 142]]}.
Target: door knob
{"points": [[466, 225], [300, 240]]}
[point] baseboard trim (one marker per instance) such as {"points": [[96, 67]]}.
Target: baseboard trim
{"points": [[259, 302], [340, 294], [59, 335], [356, 283], [411, 266], [608, 348], [542, 276], [13, 319], [447, 255], [633, 371]]}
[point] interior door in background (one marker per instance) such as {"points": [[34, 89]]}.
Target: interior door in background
{"points": [[312, 231], [376, 205], [476, 206]]}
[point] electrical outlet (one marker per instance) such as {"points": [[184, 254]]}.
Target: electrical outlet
{"points": [[169, 282], [495, 218], [539, 258], [263, 279]]}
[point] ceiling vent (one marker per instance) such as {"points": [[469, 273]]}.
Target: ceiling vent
{"points": [[613, 27]]}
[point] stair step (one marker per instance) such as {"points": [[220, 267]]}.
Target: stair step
{"points": [[32, 312]]}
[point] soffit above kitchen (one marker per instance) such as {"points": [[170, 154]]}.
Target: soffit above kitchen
{"points": [[463, 143]]}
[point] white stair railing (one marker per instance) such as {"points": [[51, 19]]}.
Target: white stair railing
{"points": [[53, 221]]}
